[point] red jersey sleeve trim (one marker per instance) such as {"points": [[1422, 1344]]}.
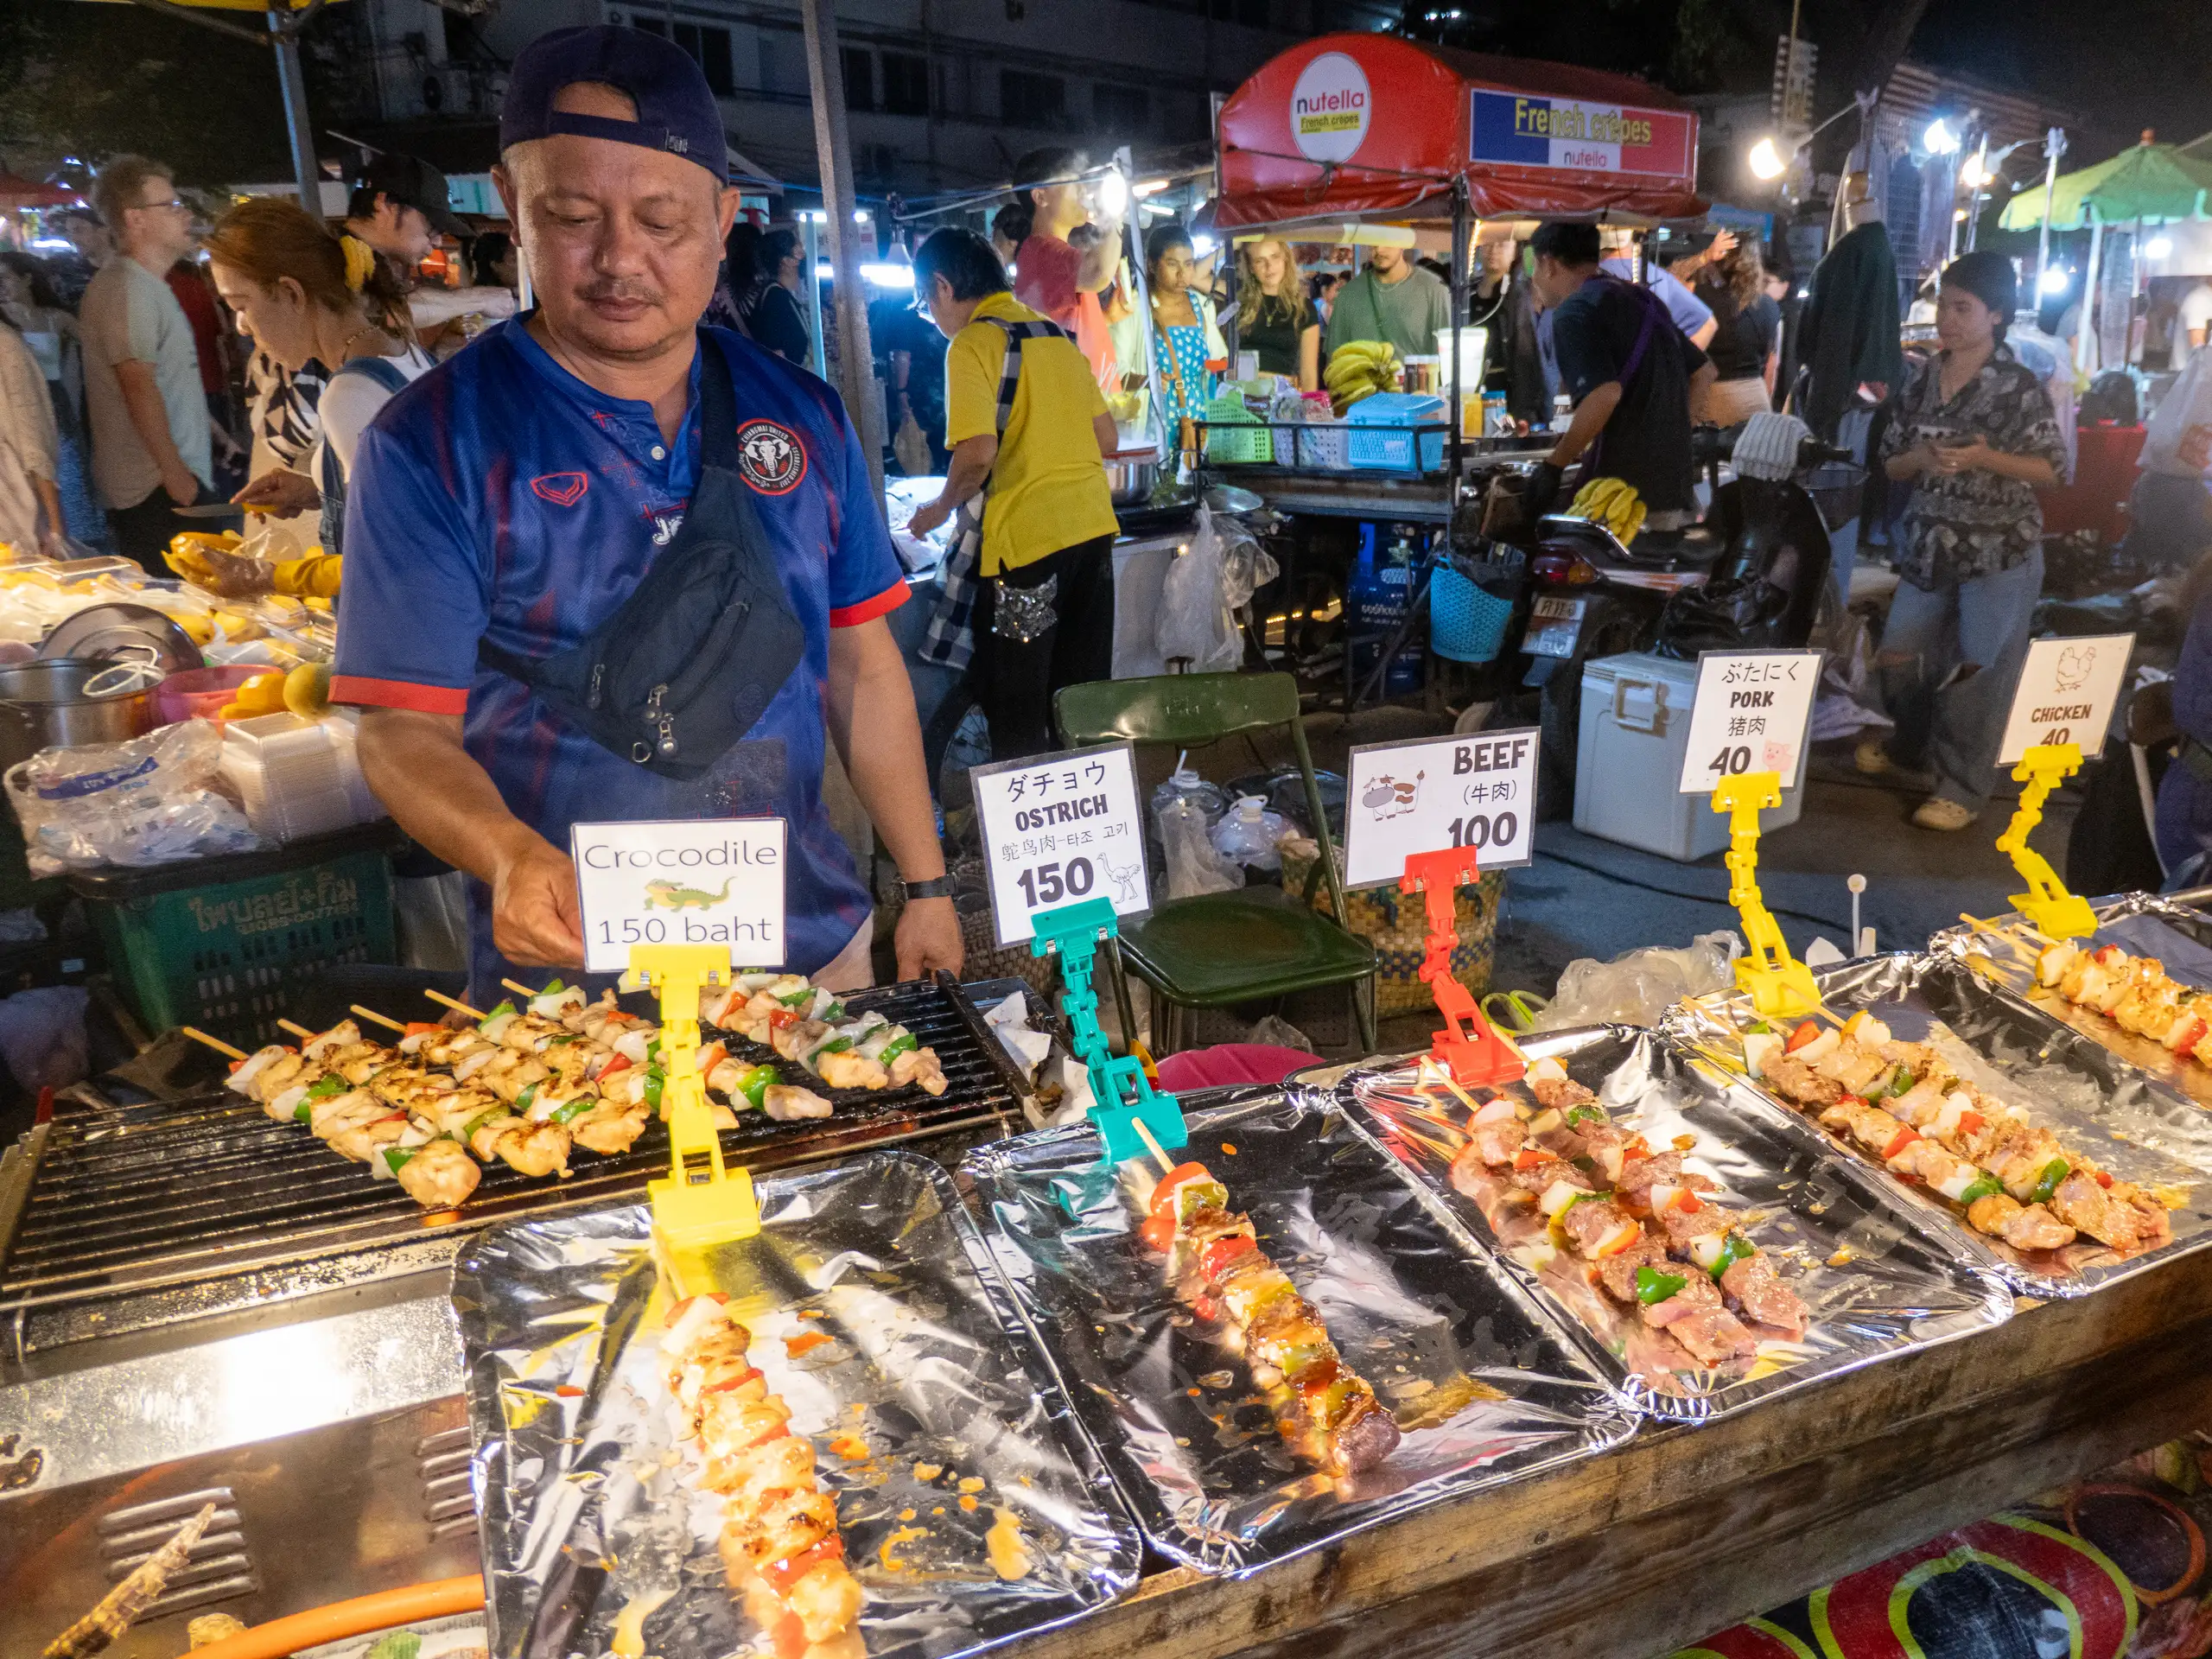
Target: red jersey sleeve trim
{"points": [[851, 616], [400, 694]]}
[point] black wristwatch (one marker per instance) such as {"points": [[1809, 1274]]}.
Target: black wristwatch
{"points": [[937, 886]]}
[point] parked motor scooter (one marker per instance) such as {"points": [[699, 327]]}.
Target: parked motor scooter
{"points": [[1591, 597]]}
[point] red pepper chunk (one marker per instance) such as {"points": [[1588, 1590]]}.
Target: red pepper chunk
{"points": [[782, 1575], [1219, 1254], [2104, 1178], [1158, 1231], [1905, 1137], [1163, 1195], [621, 1062], [780, 1018], [1799, 1038], [1530, 1157], [1971, 1122], [750, 1374]]}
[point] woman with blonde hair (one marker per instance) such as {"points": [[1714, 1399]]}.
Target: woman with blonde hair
{"points": [[1747, 335], [307, 293], [1274, 315]]}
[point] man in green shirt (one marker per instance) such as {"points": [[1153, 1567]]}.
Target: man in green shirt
{"points": [[1395, 300]]}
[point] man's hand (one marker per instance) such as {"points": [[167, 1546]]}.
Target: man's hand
{"points": [[928, 517], [1963, 458], [281, 493], [535, 920], [1723, 244], [928, 938]]}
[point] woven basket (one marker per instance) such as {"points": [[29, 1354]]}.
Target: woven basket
{"points": [[1397, 925]]}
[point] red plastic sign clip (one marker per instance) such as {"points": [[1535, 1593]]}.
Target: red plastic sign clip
{"points": [[1468, 1049]]}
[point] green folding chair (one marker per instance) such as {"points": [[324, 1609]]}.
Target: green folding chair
{"points": [[1251, 945]]}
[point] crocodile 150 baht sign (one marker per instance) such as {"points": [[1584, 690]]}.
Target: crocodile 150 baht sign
{"points": [[707, 881]]}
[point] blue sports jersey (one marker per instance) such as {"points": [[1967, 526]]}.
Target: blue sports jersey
{"points": [[500, 497]]}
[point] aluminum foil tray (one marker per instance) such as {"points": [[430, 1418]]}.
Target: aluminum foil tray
{"points": [[2141, 924], [1876, 1286], [2132, 1125], [1483, 1386], [930, 1423]]}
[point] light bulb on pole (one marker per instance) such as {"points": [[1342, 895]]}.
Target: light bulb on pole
{"points": [[1939, 139], [1766, 160]]}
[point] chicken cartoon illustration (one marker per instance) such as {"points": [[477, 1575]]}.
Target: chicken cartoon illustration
{"points": [[2075, 663]]}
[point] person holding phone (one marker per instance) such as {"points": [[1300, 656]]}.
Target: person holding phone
{"points": [[1973, 432]]}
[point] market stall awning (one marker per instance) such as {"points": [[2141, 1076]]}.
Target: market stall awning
{"points": [[17, 194], [1370, 125], [2150, 182]]}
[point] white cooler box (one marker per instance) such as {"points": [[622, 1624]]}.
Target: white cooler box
{"points": [[1628, 761]]}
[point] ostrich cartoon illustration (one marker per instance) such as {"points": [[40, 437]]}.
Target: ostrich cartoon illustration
{"points": [[1124, 880]]}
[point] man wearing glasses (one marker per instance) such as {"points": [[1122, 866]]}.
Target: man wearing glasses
{"points": [[149, 428]]}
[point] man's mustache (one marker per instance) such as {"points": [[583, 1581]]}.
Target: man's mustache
{"points": [[617, 287]]}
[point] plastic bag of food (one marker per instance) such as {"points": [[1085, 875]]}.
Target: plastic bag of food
{"points": [[1195, 626], [1638, 987], [1193, 866], [1246, 566], [151, 800]]}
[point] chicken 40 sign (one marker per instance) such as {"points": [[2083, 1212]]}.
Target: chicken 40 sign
{"points": [[2067, 690]]}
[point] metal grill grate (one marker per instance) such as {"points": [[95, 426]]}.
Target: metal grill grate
{"points": [[121, 1199]]}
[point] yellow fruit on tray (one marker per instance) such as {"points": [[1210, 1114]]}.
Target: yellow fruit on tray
{"points": [[307, 691]]}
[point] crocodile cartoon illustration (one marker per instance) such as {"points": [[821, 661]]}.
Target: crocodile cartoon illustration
{"points": [[671, 895]]}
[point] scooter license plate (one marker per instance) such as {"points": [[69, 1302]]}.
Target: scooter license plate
{"points": [[1553, 627]]}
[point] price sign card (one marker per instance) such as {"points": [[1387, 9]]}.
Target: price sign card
{"points": [[2068, 688], [1435, 792], [682, 882], [1060, 828], [1750, 714]]}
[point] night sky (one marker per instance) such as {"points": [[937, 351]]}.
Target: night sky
{"points": [[2124, 64]]}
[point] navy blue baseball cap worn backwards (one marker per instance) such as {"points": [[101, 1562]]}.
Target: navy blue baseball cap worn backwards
{"points": [[677, 111]]}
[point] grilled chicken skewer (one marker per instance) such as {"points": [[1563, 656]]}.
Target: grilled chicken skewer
{"points": [[2134, 992], [2011, 1176], [1325, 1411], [1652, 1241], [780, 1542], [803, 1022]]}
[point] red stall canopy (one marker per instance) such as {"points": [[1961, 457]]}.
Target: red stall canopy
{"points": [[1352, 125]]}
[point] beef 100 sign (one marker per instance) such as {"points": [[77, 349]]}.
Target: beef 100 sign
{"points": [[1477, 792], [1059, 828]]}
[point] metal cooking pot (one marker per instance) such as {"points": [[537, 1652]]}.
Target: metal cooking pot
{"points": [[1131, 474], [68, 700]]}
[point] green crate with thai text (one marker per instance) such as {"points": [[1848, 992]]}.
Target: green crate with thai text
{"points": [[227, 945]]}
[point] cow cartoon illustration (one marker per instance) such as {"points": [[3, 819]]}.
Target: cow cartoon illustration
{"points": [[1392, 797]]}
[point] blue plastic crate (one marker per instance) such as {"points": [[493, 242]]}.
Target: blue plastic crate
{"points": [[1393, 451]]}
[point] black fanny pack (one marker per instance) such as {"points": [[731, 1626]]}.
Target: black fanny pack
{"points": [[683, 668]]}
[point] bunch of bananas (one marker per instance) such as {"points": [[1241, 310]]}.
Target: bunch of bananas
{"points": [[1614, 503], [1360, 368]]}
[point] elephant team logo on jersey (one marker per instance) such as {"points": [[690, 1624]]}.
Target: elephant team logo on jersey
{"points": [[770, 456]]}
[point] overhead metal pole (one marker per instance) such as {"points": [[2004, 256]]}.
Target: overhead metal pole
{"points": [[2054, 146], [285, 41], [817, 348], [833, 148]]}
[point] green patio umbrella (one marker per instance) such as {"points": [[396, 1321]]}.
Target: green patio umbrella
{"points": [[2150, 183]]}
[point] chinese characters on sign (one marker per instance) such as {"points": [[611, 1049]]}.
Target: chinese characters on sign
{"points": [[1433, 793], [1061, 827], [1750, 713], [2067, 690], [719, 882]]}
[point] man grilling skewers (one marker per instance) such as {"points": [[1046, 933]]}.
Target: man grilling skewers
{"points": [[607, 564]]}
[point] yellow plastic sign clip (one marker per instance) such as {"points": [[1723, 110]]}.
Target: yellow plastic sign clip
{"points": [[2046, 903], [700, 1204], [1781, 987]]}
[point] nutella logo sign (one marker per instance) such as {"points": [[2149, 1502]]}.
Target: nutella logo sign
{"points": [[1329, 108]]}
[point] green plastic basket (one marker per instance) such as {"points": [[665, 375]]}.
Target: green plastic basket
{"points": [[1234, 438], [228, 943]]}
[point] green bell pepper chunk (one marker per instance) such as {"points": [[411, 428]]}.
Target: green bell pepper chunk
{"points": [[1984, 1186], [1576, 1113], [553, 988], [797, 998], [905, 1043], [753, 1085], [655, 1079], [1761, 1027], [835, 1045], [1736, 1249], [468, 1129], [1653, 1286], [506, 1006], [2053, 1172], [1579, 1198], [523, 1100], [398, 1158], [571, 1110], [327, 1085]]}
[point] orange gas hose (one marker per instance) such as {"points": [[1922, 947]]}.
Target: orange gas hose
{"points": [[343, 1618]]}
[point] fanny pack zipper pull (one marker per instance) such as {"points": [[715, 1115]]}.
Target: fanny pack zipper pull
{"points": [[664, 722], [598, 677]]}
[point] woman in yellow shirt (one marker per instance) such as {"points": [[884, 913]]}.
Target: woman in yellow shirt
{"points": [[1028, 428]]}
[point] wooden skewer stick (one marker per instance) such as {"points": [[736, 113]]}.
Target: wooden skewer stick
{"points": [[1167, 1165], [297, 1030], [519, 989], [137, 1592], [215, 1043], [383, 1019], [1996, 930], [1449, 1148], [441, 998], [1443, 1074]]}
